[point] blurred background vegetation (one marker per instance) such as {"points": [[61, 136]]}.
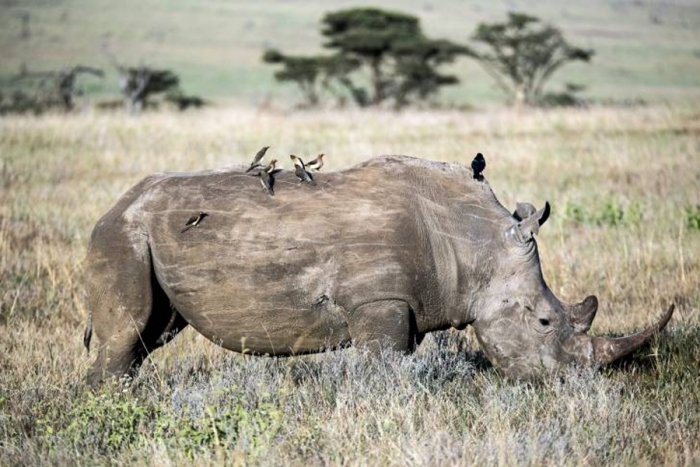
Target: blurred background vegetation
{"points": [[644, 50]]}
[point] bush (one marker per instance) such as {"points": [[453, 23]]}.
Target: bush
{"points": [[106, 423], [692, 217], [610, 213]]}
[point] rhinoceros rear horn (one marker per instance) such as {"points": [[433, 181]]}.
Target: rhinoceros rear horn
{"points": [[581, 314], [531, 225], [607, 350]]}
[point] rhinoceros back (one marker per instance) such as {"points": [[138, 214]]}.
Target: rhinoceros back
{"points": [[279, 274]]}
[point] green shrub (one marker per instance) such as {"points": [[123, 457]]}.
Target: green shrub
{"points": [[635, 213], [692, 217], [611, 213], [574, 212], [223, 426], [105, 423]]}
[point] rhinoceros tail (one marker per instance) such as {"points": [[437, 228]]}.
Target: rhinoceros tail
{"points": [[87, 336]]}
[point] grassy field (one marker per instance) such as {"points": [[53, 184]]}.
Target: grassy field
{"points": [[625, 190], [645, 49]]}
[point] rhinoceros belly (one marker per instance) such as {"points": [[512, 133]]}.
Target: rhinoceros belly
{"points": [[272, 274], [251, 299]]}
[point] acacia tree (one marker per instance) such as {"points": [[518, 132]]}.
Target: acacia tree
{"points": [[66, 83], [138, 84], [311, 73], [57, 88], [370, 35], [303, 71], [416, 65], [521, 54], [401, 62]]}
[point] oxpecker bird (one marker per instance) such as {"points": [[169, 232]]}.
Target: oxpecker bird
{"points": [[267, 178], [297, 161], [478, 166], [316, 164], [258, 157], [270, 168], [194, 221], [300, 170]]}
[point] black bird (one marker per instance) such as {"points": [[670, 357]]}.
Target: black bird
{"points": [[300, 170], [258, 157], [316, 164], [194, 221], [478, 166]]}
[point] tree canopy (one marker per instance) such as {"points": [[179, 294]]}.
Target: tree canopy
{"points": [[52, 90], [522, 53], [311, 72], [402, 62]]}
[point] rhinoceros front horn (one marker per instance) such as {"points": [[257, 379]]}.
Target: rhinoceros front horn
{"points": [[607, 350]]}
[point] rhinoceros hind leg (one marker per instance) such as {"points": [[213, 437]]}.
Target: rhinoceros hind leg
{"points": [[383, 323], [131, 315]]}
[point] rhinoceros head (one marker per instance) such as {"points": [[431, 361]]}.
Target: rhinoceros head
{"points": [[523, 328]]}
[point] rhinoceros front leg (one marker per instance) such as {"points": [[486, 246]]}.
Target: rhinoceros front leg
{"points": [[382, 323]]}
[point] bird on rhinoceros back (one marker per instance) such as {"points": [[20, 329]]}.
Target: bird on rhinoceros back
{"points": [[194, 221], [271, 168], [267, 177], [316, 164], [257, 159], [300, 170], [478, 166], [297, 161]]}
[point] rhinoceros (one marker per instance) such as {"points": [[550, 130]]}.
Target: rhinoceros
{"points": [[379, 254]]}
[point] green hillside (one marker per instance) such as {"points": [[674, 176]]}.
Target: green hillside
{"points": [[645, 49]]}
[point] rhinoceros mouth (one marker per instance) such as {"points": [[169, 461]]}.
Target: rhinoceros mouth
{"points": [[607, 350]]}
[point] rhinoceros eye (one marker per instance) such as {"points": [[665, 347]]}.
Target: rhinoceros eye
{"points": [[544, 322]]}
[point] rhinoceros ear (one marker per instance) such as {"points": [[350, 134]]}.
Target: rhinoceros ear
{"points": [[523, 211], [530, 226]]}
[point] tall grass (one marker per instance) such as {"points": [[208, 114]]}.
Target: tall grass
{"points": [[624, 189]]}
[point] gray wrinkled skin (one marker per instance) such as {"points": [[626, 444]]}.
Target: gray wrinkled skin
{"points": [[388, 250]]}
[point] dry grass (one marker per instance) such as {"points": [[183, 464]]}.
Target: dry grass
{"points": [[624, 185]]}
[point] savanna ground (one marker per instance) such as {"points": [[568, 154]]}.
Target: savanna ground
{"points": [[625, 190]]}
